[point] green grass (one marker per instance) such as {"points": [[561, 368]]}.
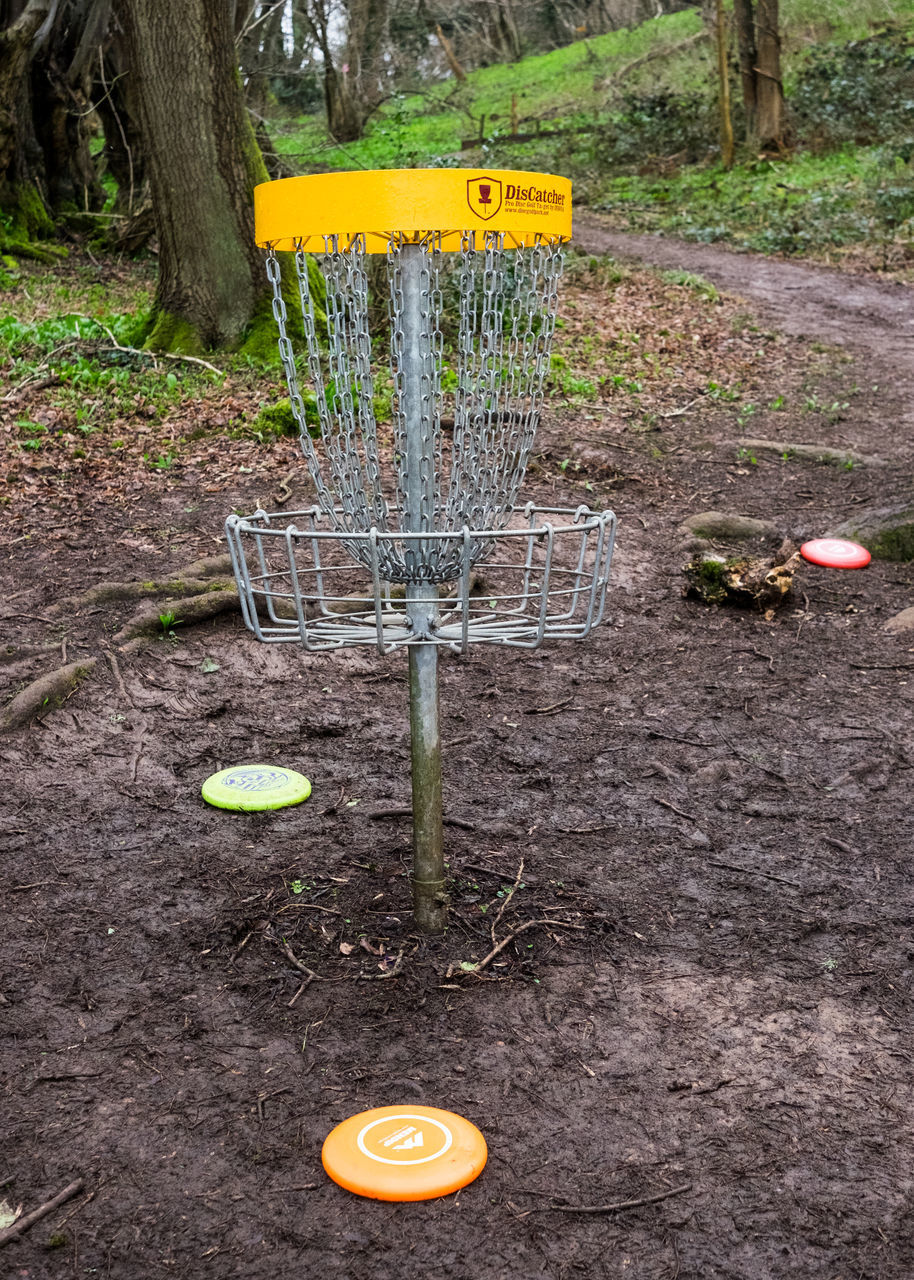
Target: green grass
{"points": [[807, 203], [580, 85]]}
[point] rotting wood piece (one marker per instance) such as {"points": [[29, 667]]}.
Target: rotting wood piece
{"points": [[746, 581]]}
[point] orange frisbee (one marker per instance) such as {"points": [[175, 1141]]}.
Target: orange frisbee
{"points": [[404, 1153]]}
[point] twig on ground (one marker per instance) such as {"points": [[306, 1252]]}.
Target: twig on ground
{"points": [[387, 973], [507, 898], [405, 811], [305, 983], [682, 813], [152, 355], [292, 957], [241, 946], [672, 737], [22, 1224], [530, 924], [279, 1191], [332, 808], [751, 871], [548, 711], [619, 1205]]}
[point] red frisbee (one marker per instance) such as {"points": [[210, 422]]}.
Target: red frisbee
{"points": [[835, 553]]}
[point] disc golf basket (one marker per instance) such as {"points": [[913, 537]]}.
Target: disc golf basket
{"points": [[417, 538]]}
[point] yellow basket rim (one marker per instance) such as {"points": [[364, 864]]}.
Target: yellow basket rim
{"points": [[452, 206]]}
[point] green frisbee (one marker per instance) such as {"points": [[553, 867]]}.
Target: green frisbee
{"points": [[253, 787]]}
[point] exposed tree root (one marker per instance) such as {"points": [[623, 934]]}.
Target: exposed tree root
{"points": [[188, 610], [12, 655], [47, 691], [211, 574]]}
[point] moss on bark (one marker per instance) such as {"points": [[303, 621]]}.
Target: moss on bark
{"points": [[171, 333]]}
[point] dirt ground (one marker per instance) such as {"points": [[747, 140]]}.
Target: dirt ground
{"points": [[715, 803]]}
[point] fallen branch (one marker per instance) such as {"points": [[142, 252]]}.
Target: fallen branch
{"points": [[550, 710], [22, 1224], [507, 898], [152, 356], [292, 958], [48, 691], [682, 813]]}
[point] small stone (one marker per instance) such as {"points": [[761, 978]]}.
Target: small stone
{"points": [[903, 621]]}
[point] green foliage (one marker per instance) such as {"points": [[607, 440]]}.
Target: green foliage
{"points": [[168, 621], [862, 92], [800, 205], [688, 280], [568, 382], [277, 419], [19, 339], [656, 125], [641, 98]]}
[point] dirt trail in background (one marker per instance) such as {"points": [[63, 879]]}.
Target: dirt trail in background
{"points": [[871, 316]]}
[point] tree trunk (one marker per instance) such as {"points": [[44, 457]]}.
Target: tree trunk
{"points": [[367, 38], [452, 62], [20, 156], [744, 18], [769, 88], [115, 103], [344, 120], [203, 162], [758, 35], [726, 123], [62, 81]]}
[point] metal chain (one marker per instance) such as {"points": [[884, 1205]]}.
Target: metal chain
{"points": [[507, 305]]}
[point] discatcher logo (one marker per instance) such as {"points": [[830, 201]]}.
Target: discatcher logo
{"points": [[484, 196]]}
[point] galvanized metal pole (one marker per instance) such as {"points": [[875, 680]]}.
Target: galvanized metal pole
{"points": [[429, 893]]}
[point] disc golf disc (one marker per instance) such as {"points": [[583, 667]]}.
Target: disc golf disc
{"points": [[254, 787], [404, 1153], [835, 553]]}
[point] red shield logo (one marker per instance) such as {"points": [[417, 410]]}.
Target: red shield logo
{"points": [[484, 197]]}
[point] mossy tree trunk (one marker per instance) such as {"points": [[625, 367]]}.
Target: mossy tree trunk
{"points": [[21, 201], [202, 162]]}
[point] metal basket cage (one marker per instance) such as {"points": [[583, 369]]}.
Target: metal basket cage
{"points": [[302, 580]]}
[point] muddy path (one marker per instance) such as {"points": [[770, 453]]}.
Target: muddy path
{"points": [[813, 302], [701, 1070]]}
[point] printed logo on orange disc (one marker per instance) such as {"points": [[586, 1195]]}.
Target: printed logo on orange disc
{"points": [[484, 196], [405, 1138]]}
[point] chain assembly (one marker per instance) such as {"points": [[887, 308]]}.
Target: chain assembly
{"points": [[448, 473]]}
